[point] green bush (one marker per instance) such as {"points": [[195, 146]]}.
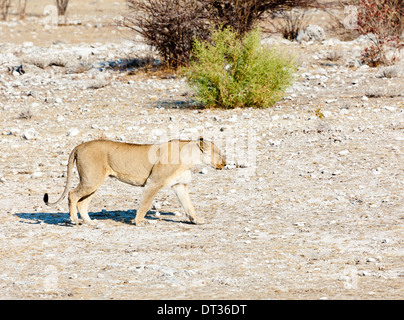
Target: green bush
{"points": [[233, 72]]}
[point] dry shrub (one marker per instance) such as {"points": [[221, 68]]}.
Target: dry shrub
{"points": [[26, 114], [169, 26], [243, 15], [384, 19], [292, 22], [388, 72]]}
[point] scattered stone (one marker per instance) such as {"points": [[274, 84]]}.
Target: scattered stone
{"points": [[311, 33], [299, 224], [16, 70], [389, 108], [97, 83], [15, 131], [73, 132], [274, 143], [30, 134], [377, 171], [37, 174], [156, 206]]}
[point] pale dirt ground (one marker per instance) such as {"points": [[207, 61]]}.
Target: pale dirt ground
{"points": [[320, 215]]}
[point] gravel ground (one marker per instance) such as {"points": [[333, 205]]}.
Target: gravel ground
{"points": [[309, 207]]}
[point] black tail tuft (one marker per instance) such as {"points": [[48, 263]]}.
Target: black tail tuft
{"points": [[45, 198]]}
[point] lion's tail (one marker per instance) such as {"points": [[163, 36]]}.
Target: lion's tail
{"points": [[70, 163]]}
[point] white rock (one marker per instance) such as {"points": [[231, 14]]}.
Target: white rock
{"points": [[30, 134], [233, 118], [389, 108], [242, 164], [15, 131], [190, 130], [230, 166], [204, 171], [311, 33], [73, 132], [299, 224], [327, 114], [37, 174], [274, 142], [377, 171], [157, 206], [343, 152]]}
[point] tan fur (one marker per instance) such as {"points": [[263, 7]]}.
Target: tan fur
{"points": [[150, 166]]}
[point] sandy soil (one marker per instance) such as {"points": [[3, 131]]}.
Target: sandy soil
{"points": [[310, 207]]}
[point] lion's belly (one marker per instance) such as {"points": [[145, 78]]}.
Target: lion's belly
{"points": [[135, 181], [183, 178], [132, 168]]}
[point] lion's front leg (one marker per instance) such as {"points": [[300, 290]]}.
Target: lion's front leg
{"points": [[149, 193], [182, 192]]}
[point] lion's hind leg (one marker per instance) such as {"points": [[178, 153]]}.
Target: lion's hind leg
{"points": [[79, 199], [82, 205], [73, 206]]}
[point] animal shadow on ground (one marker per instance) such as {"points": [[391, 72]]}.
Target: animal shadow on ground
{"points": [[63, 219]]}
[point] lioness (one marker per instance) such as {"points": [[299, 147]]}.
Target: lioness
{"points": [[150, 166]]}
